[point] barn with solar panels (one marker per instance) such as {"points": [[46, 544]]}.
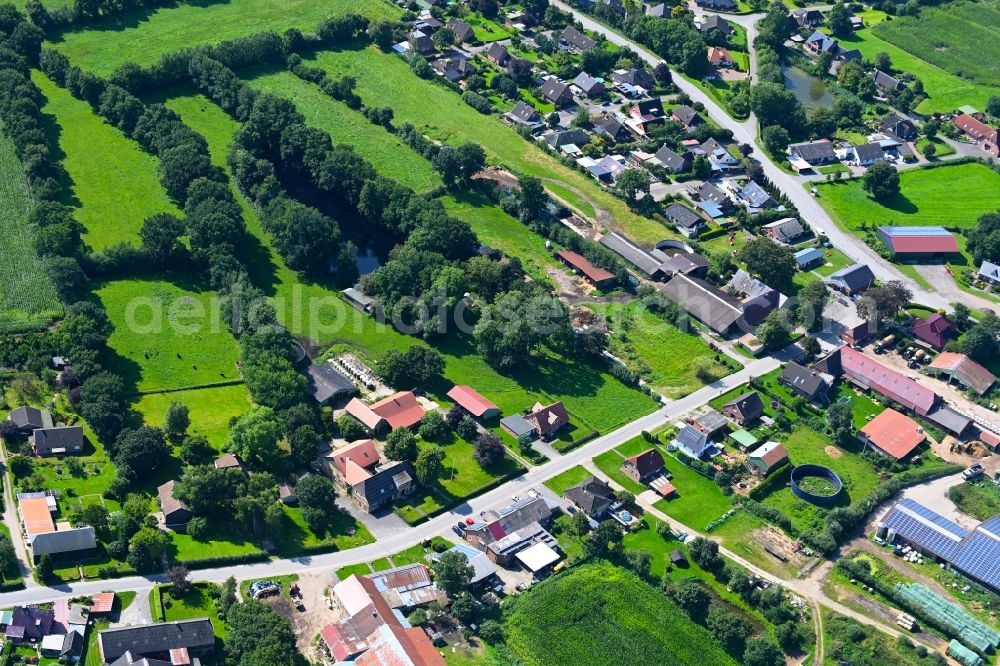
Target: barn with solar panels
{"points": [[975, 554]]}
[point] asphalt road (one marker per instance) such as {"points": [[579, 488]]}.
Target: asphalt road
{"points": [[438, 526]]}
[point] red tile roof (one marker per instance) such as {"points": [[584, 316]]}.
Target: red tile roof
{"points": [[471, 400], [888, 382], [363, 413], [934, 330], [975, 128], [582, 264], [356, 455], [401, 409], [718, 55], [103, 602], [894, 433]]}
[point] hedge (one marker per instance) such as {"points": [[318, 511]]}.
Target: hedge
{"points": [[222, 560], [777, 479]]}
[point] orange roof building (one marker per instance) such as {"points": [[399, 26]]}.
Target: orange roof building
{"points": [[104, 602], [893, 434], [473, 402], [401, 409], [368, 418], [354, 461], [719, 56], [36, 516]]}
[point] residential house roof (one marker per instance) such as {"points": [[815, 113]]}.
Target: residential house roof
{"points": [[686, 115], [692, 441], [899, 126], [59, 439], [808, 256], [658, 11], [355, 461], [471, 400], [227, 461], [771, 454], [582, 264], [325, 383], [822, 43], [168, 503], [807, 382], [709, 192], [627, 249], [612, 128], [894, 433], [785, 230], [671, 160], [648, 109], [156, 638], [587, 83], [807, 17], [857, 277], [525, 114], [463, 31], [495, 525], [37, 516], [886, 81], [716, 22], [647, 462], [975, 128], [710, 422], [718, 55], [749, 406], [756, 196], [575, 38], [717, 4], [756, 298], [592, 495], [637, 76], [683, 216], [869, 152], [400, 409], [554, 90], [364, 413], [548, 418], [990, 271], [498, 53], [967, 371], [814, 151], [919, 240], [935, 330], [565, 137], [30, 622], [716, 309], [385, 481], [30, 418]]}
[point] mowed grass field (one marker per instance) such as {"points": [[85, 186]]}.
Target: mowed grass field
{"points": [[27, 298], [945, 90], [143, 37], [602, 614], [210, 409], [442, 115], [962, 38], [166, 336], [950, 195], [115, 185], [387, 152]]}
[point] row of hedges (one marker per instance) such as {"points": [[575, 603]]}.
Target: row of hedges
{"points": [[225, 560]]}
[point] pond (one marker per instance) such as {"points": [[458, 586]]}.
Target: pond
{"points": [[367, 260], [810, 90]]}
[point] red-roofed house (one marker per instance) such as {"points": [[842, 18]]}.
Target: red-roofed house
{"points": [[598, 277], [964, 370], [892, 434], [868, 374], [354, 462], [548, 419], [643, 466], [719, 57], [935, 330], [103, 603], [473, 402], [979, 131], [401, 409], [362, 412]]}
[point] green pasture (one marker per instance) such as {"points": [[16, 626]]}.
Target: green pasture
{"points": [[210, 409]]}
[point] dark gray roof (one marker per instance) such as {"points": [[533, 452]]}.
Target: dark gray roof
{"points": [[660, 11], [671, 160], [716, 22], [518, 425], [592, 495], [554, 89], [634, 77], [812, 151], [856, 278], [756, 196], [686, 115], [574, 37], [683, 216], [58, 439], [693, 439], [145, 639], [709, 192], [326, 383], [823, 43], [899, 126], [463, 31], [525, 114], [685, 263], [63, 541], [564, 138], [749, 405], [869, 152], [886, 81], [498, 51], [586, 82], [950, 420], [612, 128], [29, 418], [383, 483], [804, 380], [717, 4], [717, 310], [632, 253]]}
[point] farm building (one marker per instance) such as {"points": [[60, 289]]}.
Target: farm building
{"points": [[892, 434], [598, 277], [963, 370], [705, 302], [868, 374], [918, 241], [473, 402], [935, 330], [327, 385]]}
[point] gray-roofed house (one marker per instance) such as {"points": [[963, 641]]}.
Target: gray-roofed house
{"points": [[712, 307], [814, 152], [900, 127], [159, 640], [525, 114], [756, 198], [556, 91], [989, 273], [786, 230], [574, 137], [390, 482], [454, 69], [868, 153], [756, 298], [686, 116], [720, 158], [688, 222], [421, 42], [175, 512], [463, 31], [718, 5], [715, 23], [712, 423], [637, 76], [326, 384], [691, 442], [28, 419], [852, 280], [818, 43], [671, 161], [587, 84], [809, 258], [498, 54], [886, 82], [659, 11], [710, 192], [612, 128], [57, 441], [744, 409], [571, 38], [592, 496], [810, 384], [806, 18], [650, 265]]}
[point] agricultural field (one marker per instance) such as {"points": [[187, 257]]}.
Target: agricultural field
{"points": [[960, 38], [115, 185], [946, 90], [442, 115], [211, 409], [602, 614], [673, 362], [951, 195], [167, 336], [27, 298], [143, 36]]}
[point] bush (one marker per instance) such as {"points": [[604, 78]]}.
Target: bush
{"points": [[197, 528]]}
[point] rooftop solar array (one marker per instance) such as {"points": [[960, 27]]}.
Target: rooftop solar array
{"points": [[916, 231], [979, 556], [921, 526]]}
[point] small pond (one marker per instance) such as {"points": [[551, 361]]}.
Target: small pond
{"points": [[810, 90]]}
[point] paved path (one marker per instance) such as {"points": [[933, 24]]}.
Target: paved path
{"points": [[438, 526], [812, 212], [138, 612], [11, 521]]}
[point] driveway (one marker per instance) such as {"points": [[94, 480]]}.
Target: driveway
{"points": [[384, 525], [13, 523], [944, 284], [138, 612]]}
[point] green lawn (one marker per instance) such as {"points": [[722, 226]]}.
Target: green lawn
{"points": [[385, 151], [27, 296], [167, 336], [952, 195], [941, 148], [353, 569], [570, 477], [195, 604], [863, 408], [345, 533], [981, 500], [115, 185], [462, 476], [218, 543], [658, 350], [143, 37], [699, 500], [835, 260], [210, 409], [441, 114]]}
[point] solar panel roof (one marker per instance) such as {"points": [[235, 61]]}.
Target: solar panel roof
{"points": [[979, 555], [921, 526]]}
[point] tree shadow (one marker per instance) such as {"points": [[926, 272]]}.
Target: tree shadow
{"points": [[52, 131], [125, 20], [899, 203]]}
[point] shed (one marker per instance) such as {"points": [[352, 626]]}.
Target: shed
{"points": [[744, 439], [538, 557], [678, 559], [328, 385], [473, 402]]}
